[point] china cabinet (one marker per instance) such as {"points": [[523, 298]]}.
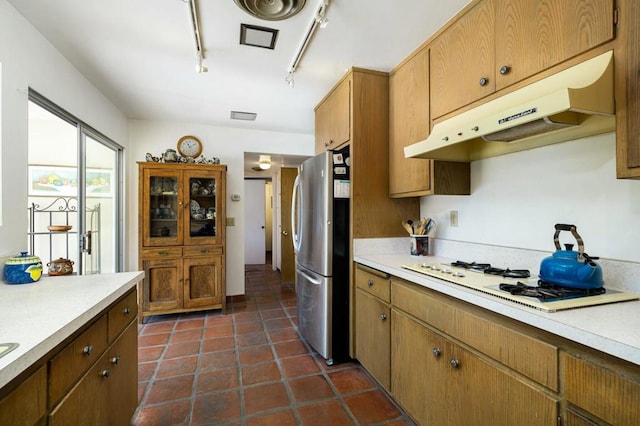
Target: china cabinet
{"points": [[181, 237]]}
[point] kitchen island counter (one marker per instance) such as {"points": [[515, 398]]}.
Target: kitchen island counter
{"points": [[41, 315], [611, 328]]}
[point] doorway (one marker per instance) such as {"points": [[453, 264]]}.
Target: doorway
{"points": [[255, 222]]}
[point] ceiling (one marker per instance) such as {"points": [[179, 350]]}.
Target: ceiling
{"points": [[141, 54]]}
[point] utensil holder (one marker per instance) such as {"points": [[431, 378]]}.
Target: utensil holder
{"points": [[419, 245]]}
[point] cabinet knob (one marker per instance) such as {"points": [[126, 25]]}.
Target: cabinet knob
{"points": [[369, 283], [87, 350], [285, 233], [436, 352], [454, 363], [484, 81], [105, 373], [115, 360], [326, 144], [505, 69], [383, 317], [126, 311]]}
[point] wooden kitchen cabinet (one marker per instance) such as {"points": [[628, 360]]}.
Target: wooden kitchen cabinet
{"points": [[627, 71], [333, 118], [533, 35], [93, 379], [439, 382], [409, 123], [373, 313], [497, 43], [27, 404], [182, 237], [605, 389], [462, 60]]}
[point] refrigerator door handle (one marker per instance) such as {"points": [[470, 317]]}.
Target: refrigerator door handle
{"points": [[296, 214], [311, 279]]}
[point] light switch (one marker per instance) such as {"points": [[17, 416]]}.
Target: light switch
{"points": [[453, 218], [231, 221]]}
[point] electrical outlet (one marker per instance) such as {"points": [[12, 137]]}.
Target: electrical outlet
{"points": [[453, 218], [231, 221]]}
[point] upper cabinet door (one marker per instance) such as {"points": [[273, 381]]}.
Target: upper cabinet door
{"points": [[408, 124], [333, 118], [533, 35], [462, 61], [203, 195], [162, 207]]}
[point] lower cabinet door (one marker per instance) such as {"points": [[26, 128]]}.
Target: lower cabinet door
{"points": [[162, 289], [373, 333], [203, 282], [86, 404], [123, 379]]}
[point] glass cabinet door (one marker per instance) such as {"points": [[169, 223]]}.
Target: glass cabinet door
{"points": [[162, 212], [202, 222]]}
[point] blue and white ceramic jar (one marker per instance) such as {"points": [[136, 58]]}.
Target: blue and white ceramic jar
{"points": [[22, 269]]}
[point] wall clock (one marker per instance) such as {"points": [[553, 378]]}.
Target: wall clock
{"points": [[189, 147]]}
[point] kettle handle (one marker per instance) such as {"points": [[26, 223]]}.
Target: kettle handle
{"points": [[564, 227]]}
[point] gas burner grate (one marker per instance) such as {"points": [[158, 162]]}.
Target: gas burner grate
{"points": [[508, 273], [547, 292], [472, 266]]}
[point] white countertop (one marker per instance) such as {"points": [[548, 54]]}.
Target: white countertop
{"points": [[613, 329], [41, 315]]}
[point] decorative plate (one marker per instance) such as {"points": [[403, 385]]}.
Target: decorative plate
{"points": [[59, 228], [195, 207]]}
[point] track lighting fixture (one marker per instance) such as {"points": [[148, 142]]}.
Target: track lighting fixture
{"points": [[319, 20]]}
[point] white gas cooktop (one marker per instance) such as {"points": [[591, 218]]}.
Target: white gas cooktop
{"points": [[489, 284]]}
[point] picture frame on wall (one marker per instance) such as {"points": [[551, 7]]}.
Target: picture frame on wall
{"points": [[62, 181]]}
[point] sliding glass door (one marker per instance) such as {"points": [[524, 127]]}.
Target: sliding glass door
{"points": [[74, 191]]}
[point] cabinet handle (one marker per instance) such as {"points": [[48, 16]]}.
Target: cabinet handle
{"points": [[369, 283], [505, 69], [126, 311], [204, 251], [87, 350], [285, 233], [115, 360], [436, 352], [163, 253], [483, 81], [383, 317], [454, 363], [105, 373]]}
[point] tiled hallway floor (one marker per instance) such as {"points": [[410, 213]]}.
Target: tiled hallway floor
{"points": [[250, 367]]}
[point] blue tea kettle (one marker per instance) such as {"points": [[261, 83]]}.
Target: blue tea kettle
{"points": [[569, 268]]}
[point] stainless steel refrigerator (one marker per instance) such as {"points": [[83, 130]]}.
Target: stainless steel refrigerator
{"points": [[320, 224]]}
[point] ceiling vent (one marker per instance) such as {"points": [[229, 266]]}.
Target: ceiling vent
{"points": [[252, 35], [246, 116], [271, 10]]}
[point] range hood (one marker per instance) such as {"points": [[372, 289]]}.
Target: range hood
{"points": [[574, 103]]}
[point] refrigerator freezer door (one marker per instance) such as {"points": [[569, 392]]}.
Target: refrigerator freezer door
{"points": [[314, 293], [314, 231]]}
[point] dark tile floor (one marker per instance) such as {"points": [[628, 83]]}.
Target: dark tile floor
{"points": [[250, 367]]}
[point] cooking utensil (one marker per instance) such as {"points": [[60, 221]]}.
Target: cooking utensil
{"points": [[407, 227], [569, 268], [421, 227]]}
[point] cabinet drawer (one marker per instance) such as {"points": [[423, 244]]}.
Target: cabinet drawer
{"points": [[373, 282], [28, 403], [202, 251], [611, 393], [418, 302], [161, 252], [67, 366], [496, 337], [122, 314]]}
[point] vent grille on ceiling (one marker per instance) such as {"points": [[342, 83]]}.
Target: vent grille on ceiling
{"points": [[253, 35], [271, 10]]}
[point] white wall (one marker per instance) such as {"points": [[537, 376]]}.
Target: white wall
{"points": [[229, 145], [28, 60], [516, 200]]}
